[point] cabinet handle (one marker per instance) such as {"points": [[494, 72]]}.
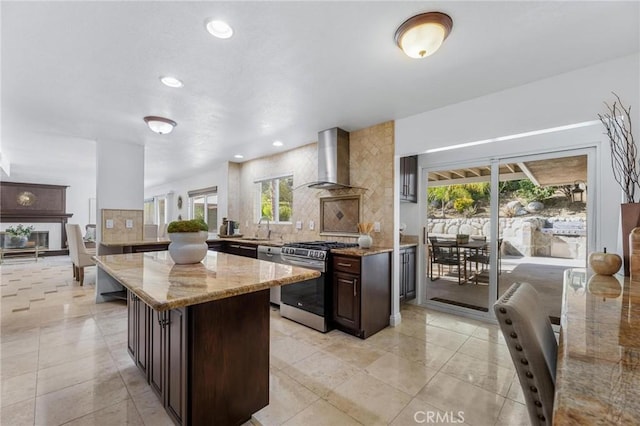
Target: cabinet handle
{"points": [[234, 245], [247, 248], [355, 284], [346, 265]]}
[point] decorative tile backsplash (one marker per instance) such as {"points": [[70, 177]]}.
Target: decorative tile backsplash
{"points": [[371, 167], [120, 232]]}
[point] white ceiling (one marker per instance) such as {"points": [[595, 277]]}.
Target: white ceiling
{"points": [[78, 72]]}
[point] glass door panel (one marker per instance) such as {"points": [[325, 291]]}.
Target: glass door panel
{"points": [[458, 237]]}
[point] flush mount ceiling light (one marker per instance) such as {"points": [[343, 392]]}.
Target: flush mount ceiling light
{"points": [[219, 29], [238, 156], [160, 125], [277, 143], [171, 81], [421, 35]]}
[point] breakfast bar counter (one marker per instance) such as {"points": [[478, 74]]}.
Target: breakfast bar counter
{"points": [[598, 370], [200, 333]]}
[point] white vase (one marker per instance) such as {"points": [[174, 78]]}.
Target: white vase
{"points": [[188, 247], [364, 241]]}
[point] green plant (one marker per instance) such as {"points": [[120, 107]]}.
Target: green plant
{"points": [[531, 192], [470, 211], [193, 225], [509, 211], [20, 230], [461, 204]]}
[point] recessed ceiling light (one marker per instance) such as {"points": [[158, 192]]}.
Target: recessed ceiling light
{"points": [[219, 29], [160, 125], [171, 81], [277, 143], [238, 156]]}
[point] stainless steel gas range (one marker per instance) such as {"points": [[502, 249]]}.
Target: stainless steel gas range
{"points": [[309, 302]]}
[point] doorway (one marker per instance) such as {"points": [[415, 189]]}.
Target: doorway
{"points": [[493, 223]]}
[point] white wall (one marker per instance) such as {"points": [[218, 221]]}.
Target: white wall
{"points": [[565, 99], [217, 176]]}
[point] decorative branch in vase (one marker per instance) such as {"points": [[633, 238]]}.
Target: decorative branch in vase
{"points": [[624, 164]]}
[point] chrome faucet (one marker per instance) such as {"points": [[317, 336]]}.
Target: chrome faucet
{"points": [[268, 230]]}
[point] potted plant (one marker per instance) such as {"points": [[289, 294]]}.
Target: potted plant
{"points": [[19, 235], [624, 162], [188, 240]]}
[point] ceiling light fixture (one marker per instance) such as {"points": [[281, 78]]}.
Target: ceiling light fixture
{"points": [[238, 156], [160, 125], [219, 29], [171, 81], [421, 35], [277, 143]]}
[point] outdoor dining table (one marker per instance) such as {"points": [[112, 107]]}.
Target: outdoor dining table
{"points": [[475, 245]]}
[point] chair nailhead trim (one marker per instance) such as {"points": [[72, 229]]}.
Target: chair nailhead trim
{"points": [[533, 389], [514, 335], [538, 404], [518, 348], [541, 417], [508, 321], [503, 311], [524, 361], [529, 375]]}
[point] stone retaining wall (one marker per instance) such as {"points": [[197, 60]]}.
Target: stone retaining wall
{"points": [[521, 236]]}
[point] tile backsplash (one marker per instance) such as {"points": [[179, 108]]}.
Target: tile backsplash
{"points": [[120, 232]]}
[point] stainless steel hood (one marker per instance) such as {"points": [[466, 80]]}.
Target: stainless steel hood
{"points": [[333, 160]]}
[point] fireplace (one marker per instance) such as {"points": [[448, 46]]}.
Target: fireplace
{"points": [[37, 239], [37, 205]]}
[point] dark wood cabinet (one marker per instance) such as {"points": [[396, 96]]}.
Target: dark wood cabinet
{"points": [[409, 179], [240, 249], [216, 245], [156, 351], [362, 293], [346, 300], [137, 331], [407, 273], [176, 364]]}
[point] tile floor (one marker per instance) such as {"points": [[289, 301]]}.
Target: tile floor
{"points": [[64, 361]]}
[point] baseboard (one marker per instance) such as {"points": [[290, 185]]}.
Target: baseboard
{"points": [[395, 319]]}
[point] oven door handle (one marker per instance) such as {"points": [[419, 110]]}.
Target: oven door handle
{"points": [[304, 264]]}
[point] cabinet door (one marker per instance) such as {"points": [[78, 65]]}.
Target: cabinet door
{"points": [[410, 288], [346, 300], [131, 324], [157, 322], [411, 174], [176, 353], [142, 338], [403, 178]]}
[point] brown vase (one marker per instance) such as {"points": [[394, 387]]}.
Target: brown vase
{"points": [[630, 218]]}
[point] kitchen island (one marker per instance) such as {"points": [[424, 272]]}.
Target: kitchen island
{"points": [[200, 333]]}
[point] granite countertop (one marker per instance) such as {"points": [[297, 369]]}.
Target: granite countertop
{"points": [[357, 251], [151, 241], [598, 371], [163, 285], [135, 243], [407, 245]]}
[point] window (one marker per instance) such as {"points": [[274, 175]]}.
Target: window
{"points": [[275, 199], [149, 211], [155, 211], [203, 204]]}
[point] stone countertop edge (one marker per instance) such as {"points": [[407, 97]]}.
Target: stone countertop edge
{"points": [[361, 252], [206, 296]]}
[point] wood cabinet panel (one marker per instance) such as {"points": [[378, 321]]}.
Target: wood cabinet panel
{"points": [[176, 365], [156, 352], [346, 300], [409, 179], [346, 264], [407, 273]]}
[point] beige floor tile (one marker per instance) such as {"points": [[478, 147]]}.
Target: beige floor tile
{"points": [[486, 375], [151, 410], [489, 351], [385, 339], [458, 324], [321, 413], [513, 414], [515, 391], [71, 351], [112, 325], [400, 373], [133, 378], [75, 333], [368, 400], [354, 351], [417, 350], [313, 337], [445, 338], [489, 332], [19, 414], [121, 413], [289, 350], [18, 388], [18, 364], [79, 400], [321, 372], [19, 334], [93, 367], [419, 412], [478, 406], [286, 399], [19, 347]]}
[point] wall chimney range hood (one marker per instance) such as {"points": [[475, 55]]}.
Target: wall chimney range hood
{"points": [[333, 160]]}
